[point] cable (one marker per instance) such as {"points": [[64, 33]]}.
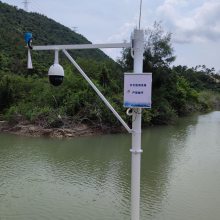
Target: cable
{"points": [[129, 112]]}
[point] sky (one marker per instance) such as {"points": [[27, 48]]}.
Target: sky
{"points": [[194, 24]]}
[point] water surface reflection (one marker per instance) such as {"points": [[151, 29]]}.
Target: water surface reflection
{"points": [[89, 178]]}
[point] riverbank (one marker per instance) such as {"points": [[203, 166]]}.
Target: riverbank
{"points": [[25, 128], [67, 130]]}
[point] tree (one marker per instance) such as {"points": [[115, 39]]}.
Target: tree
{"points": [[158, 50], [158, 47]]}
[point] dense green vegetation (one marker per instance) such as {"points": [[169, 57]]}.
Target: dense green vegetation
{"points": [[27, 95], [177, 90]]}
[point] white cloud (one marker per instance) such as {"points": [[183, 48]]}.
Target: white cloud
{"points": [[199, 24], [177, 2], [121, 35]]}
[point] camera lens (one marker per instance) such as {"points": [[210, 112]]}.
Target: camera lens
{"points": [[56, 80]]}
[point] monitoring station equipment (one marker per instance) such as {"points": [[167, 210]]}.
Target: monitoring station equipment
{"points": [[56, 71], [137, 95]]}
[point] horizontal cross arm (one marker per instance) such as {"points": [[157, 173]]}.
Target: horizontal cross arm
{"points": [[82, 46]]}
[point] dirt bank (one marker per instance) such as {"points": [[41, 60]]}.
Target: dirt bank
{"points": [[24, 128]]}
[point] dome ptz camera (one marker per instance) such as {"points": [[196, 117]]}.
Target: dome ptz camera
{"points": [[56, 72]]}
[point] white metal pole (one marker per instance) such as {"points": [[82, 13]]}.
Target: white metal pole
{"points": [[136, 128], [29, 63], [56, 59]]}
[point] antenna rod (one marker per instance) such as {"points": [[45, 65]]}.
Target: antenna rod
{"points": [[140, 15]]}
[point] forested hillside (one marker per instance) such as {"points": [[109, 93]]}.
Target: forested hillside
{"points": [[26, 96], [14, 23]]}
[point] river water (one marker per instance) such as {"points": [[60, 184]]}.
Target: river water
{"points": [[89, 178]]}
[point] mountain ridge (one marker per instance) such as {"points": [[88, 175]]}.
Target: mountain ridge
{"points": [[15, 22]]}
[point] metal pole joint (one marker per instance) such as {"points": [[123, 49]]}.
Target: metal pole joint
{"points": [[134, 131], [136, 151]]}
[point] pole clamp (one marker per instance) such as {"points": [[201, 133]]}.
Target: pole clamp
{"points": [[136, 151]]}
